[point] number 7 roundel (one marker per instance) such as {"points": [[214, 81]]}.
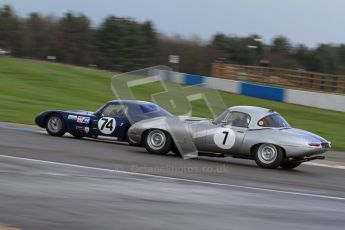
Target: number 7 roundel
{"points": [[107, 125], [224, 138]]}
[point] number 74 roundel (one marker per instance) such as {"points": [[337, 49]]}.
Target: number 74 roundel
{"points": [[224, 138], [107, 125]]}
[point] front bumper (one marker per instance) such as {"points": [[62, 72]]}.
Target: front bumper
{"points": [[307, 151], [306, 159], [134, 135], [39, 120], [311, 159]]}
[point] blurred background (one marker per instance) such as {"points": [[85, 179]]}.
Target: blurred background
{"points": [[109, 39]]}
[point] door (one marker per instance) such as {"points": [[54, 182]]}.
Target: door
{"points": [[111, 121], [226, 136]]}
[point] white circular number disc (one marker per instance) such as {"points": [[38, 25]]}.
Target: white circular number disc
{"points": [[224, 138], [107, 125]]}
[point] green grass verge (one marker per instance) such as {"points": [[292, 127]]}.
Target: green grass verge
{"points": [[29, 87]]}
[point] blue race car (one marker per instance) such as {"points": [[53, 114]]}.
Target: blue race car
{"points": [[112, 119]]}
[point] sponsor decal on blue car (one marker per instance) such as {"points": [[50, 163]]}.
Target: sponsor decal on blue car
{"points": [[72, 117], [83, 120], [81, 128]]}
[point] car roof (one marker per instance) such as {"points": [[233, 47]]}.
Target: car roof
{"points": [[251, 110], [130, 102], [256, 113]]}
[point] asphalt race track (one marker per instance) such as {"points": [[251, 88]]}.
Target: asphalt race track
{"points": [[66, 183]]}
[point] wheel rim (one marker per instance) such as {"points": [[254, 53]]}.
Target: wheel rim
{"points": [[156, 139], [267, 153], [54, 124]]}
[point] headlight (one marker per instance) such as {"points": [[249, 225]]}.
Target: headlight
{"points": [[314, 144], [133, 131]]}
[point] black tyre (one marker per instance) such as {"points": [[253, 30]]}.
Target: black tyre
{"points": [[55, 125], [290, 164], [268, 156], [157, 141]]}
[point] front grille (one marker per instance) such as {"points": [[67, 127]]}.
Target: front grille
{"points": [[325, 145]]}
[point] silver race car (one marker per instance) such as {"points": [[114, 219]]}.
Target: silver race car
{"points": [[242, 132]]}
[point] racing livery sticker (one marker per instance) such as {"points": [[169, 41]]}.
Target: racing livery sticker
{"points": [[107, 125], [83, 120], [72, 117], [224, 138]]}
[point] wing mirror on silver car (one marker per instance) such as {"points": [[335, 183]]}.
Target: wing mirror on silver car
{"points": [[223, 123]]}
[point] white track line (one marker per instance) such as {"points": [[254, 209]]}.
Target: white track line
{"points": [[325, 165], [176, 179]]}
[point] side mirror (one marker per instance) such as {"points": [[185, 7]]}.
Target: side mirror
{"points": [[223, 123]]}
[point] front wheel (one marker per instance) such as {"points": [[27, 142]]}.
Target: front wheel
{"points": [[55, 125], [157, 141], [290, 164], [268, 156]]}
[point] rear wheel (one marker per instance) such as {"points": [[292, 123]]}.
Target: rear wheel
{"points": [[55, 125], [157, 141], [290, 164], [268, 156]]}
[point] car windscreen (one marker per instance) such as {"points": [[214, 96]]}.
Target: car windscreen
{"points": [[153, 110], [274, 121], [221, 117]]}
